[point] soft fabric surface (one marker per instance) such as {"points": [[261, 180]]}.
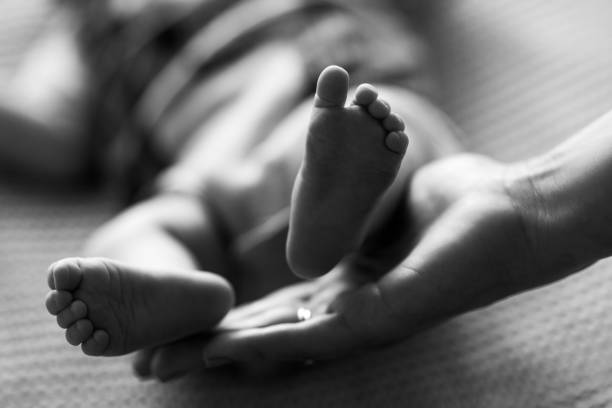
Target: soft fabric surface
{"points": [[518, 75]]}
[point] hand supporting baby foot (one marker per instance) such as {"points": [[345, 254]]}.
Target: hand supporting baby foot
{"points": [[111, 308], [352, 156]]}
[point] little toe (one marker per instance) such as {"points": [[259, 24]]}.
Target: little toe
{"points": [[57, 300], [393, 123], [79, 332], [365, 94], [66, 274], [379, 109], [397, 142], [332, 87], [97, 344], [67, 317]]}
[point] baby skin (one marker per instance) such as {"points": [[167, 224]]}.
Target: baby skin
{"points": [[353, 154], [112, 309]]}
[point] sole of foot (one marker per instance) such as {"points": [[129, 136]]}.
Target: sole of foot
{"points": [[110, 308], [353, 154]]}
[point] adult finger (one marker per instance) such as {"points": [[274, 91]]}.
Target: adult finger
{"points": [[141, 362], [275, 314], [357, 320], [277, 307], [321, 337], [177, 359], [282, 306], [174, 360]]}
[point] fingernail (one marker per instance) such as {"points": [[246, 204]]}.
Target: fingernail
{"points": [[214, 362]]}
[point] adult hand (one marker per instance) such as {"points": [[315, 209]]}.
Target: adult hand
{"points": [[473, 249], [463, 240]]}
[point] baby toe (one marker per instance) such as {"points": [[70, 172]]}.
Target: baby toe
{"points": [[66, 274], [365, 94], [379, 109], [393, 123], [50, 277], [332, 87], [57, 300], [79, 332], [397, 142], [67, 317], [96, 344]]}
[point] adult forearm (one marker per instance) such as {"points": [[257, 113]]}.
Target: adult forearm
{"points": [[566, 194]]}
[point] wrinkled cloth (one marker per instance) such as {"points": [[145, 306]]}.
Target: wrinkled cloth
{"points": [[134, 48]]}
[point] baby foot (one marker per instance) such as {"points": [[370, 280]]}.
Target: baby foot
{"points": [[112, 309], [352, 156]]}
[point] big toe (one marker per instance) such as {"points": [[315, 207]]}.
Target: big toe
{"points": [[65, 274], [332, 87]]}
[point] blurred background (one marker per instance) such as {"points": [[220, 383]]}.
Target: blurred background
{"points": [[517, 76]]}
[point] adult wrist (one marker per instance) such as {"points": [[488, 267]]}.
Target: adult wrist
{"points": [[526, 189], [564, 210]]}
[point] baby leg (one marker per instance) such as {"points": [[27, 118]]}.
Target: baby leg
{"points": [[168, 233], [352, 156], [112, 309]]}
